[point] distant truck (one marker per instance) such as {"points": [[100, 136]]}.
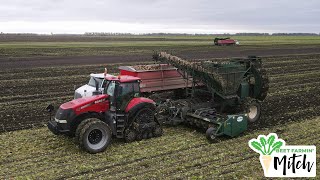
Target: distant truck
{"points": [[225, 42], [154, 78]]}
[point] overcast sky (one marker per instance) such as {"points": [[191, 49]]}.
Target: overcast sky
{"points": [[143, 16]]}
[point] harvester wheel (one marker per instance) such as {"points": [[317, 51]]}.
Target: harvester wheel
{"points": [[95, 136], [211, 134], [253, 109], [80, 126]]}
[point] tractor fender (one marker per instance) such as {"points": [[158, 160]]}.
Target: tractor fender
{"points": [[135, 101], [132, 112]]}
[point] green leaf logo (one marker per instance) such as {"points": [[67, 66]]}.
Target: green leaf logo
{"points": [[266, 145]]}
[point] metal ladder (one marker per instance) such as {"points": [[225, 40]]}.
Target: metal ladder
{"points": [[120, 125]]}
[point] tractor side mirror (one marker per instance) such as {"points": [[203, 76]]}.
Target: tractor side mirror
{"points": [[50, 108]]}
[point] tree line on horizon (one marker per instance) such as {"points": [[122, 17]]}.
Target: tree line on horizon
{"points": [[161, 34]]}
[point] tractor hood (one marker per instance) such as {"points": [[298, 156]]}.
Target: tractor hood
{"points": [[83, 103]]}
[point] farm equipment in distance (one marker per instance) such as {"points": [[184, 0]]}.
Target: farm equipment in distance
{"points": [[219, 97], [225, 42]]}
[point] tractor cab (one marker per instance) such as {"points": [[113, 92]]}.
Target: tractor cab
{"points": [[121, 91]]}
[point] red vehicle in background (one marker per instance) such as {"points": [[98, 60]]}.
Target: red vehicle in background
{"points": [[225, 42]]}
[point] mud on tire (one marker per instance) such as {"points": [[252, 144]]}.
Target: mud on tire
{"points": [[80, 126], [95, 136]]}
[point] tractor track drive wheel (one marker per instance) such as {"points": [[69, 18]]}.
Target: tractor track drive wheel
{"points": [[253, 109], [95, 136], [146, 125]]}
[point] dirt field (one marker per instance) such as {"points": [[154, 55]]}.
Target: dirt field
{"points": [[29, 150], [294, 90], [30, 62]]}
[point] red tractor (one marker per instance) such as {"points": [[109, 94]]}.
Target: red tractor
{"points": [[225, 42], [120, 112]]}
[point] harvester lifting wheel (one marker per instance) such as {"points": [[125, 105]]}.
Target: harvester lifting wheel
{"points": [[95, 136], [211, 134]]}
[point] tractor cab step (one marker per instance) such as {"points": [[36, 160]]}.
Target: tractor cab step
{"points": [[120, 125]]}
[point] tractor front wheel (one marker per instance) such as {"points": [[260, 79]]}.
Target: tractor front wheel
{"points": [[95, 136], [80, 127]]}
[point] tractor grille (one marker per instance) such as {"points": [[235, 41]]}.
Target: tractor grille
{"points": [[64, 114], [77, 95]]}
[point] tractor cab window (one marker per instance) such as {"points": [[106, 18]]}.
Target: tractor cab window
{"points": [[127, 91], [92, 82], [111, 88], [131, 89]]}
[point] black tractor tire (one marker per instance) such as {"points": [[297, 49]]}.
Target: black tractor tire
{"points": [[95, 136], [253, 109], [80, 126], [211, 134]]}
